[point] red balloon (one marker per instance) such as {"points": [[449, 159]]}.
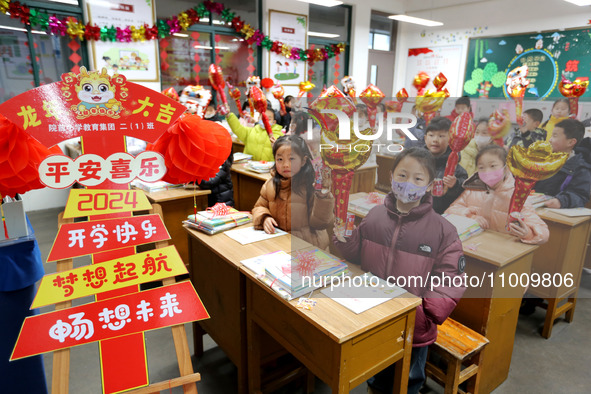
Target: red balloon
{"points": [[461, 133], [193, 149], [20, 156]]}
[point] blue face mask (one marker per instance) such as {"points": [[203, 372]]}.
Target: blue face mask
{"points": [[406, 192]]}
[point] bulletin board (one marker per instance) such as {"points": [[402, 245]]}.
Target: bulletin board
{"points": [[548, 56], [290, 29], [433, 60]]}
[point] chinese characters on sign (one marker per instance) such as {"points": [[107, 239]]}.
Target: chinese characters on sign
{"points": [[94, 202]]}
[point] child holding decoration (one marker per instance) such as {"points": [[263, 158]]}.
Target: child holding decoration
{"points": [[529, 132], [288, 200], [488, 195], [560, 112], [405, 238], [445, 188], [256, 140], [481, 139], [571, 186], [222, 189]]}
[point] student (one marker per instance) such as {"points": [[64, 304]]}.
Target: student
{"points": [[488, 195], [418, 131], [256, 140], [211, 114], [437, 142], [571, 186], [222, 189], [560, 112], [285, 120], [529, 132], [405, 238], [462, 105], [480, 140], [288, 200]]}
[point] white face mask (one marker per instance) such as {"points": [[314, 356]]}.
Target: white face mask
{"points": [[482, 141]]}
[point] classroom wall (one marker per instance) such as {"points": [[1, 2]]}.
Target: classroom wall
{"points": [[486, 18]]}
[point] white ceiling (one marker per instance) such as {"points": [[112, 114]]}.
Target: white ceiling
{"points": [[429, 5]]}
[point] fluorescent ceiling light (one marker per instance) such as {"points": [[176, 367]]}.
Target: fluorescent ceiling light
{"points": [[208, 47], [21, 29], [72, 2], [180, 35], [418, 21], [324, 3], [580, 2], [326, 35]]}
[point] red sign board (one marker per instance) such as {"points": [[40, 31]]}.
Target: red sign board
{"points": [[133, 313], [79, 239]]}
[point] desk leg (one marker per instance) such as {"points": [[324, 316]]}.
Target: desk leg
{"points": [[402, 368], [254, 357], [570, 315], [550, 316]]}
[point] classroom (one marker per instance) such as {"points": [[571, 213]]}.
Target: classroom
{"points": [[306, 196]]}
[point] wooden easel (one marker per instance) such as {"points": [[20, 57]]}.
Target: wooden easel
{"points": [[187, 379]]}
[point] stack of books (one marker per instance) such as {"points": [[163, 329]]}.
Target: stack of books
{"points": [[157, 186], [466, 227], [363, 205], [538, 199], [261, 167], [209, 223], [279, 271], [241, 157]]}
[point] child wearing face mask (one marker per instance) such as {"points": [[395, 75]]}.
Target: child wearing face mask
{"points": [[560, 112], [257, 141], [288, 200], [529, 132], [405, 237], [488, 195], [481, 139]]}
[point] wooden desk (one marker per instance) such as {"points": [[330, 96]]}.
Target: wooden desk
{"points": [[341, 348], [492, 310], [332, 333], [176, 205], [247, 186], [563, 254], [237, 145]]}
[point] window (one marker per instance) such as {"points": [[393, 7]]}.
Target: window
{"points": [[31, 58], [382, 32], [329, 25]]}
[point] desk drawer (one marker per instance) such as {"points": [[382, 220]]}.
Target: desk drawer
{"points": [[384, 343]]}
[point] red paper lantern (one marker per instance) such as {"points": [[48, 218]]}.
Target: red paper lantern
{"points": [[193, 149], [20, 156], [267, 83]]}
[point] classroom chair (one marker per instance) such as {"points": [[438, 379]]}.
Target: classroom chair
{"points": [[460, 349]]}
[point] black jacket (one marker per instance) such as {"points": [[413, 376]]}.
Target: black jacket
{"points": [[220, 185], [440, 204], [572, 184]]}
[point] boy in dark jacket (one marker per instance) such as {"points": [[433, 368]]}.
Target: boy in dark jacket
{"points": [[221, 186], [437, 142], [529, 132], [571, 186]]}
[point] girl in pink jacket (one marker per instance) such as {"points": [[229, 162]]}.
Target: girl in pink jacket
{"points": [[488, 195]]}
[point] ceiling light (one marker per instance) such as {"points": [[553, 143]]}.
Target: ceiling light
{"points": [[580, 3], [324, 3], [418, 21], [180, 35], [72, 2], [21, 29], [325, 35]]}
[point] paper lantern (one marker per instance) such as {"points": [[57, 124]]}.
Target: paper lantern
{"points": [[20, 156], [267, 83], [193, 149], [461, 133]]}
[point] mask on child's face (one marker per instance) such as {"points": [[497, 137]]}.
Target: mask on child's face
{"points": [[493, 177], [406, 192], [481, 141]]}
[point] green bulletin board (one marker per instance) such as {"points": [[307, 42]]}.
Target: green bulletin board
{"points": [[548, 56]]}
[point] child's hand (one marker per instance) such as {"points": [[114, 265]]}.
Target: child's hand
{"points": [[269, 225], [339, 233], [272, 139], [553, 203], [481, 221], [519, 229], [449, 181], [326, 179]]}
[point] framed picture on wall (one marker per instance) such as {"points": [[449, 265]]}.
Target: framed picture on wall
{"points": [[138, 61], [290, 29]]}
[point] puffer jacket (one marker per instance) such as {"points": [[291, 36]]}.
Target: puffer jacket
{"points": [[571, 185], [419, 245], [493, 205], [440, 204], [290, 211], [468, 158], [256, 140], [220, 185]]}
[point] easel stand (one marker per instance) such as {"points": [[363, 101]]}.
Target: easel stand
{"points": [[187, 379]]}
